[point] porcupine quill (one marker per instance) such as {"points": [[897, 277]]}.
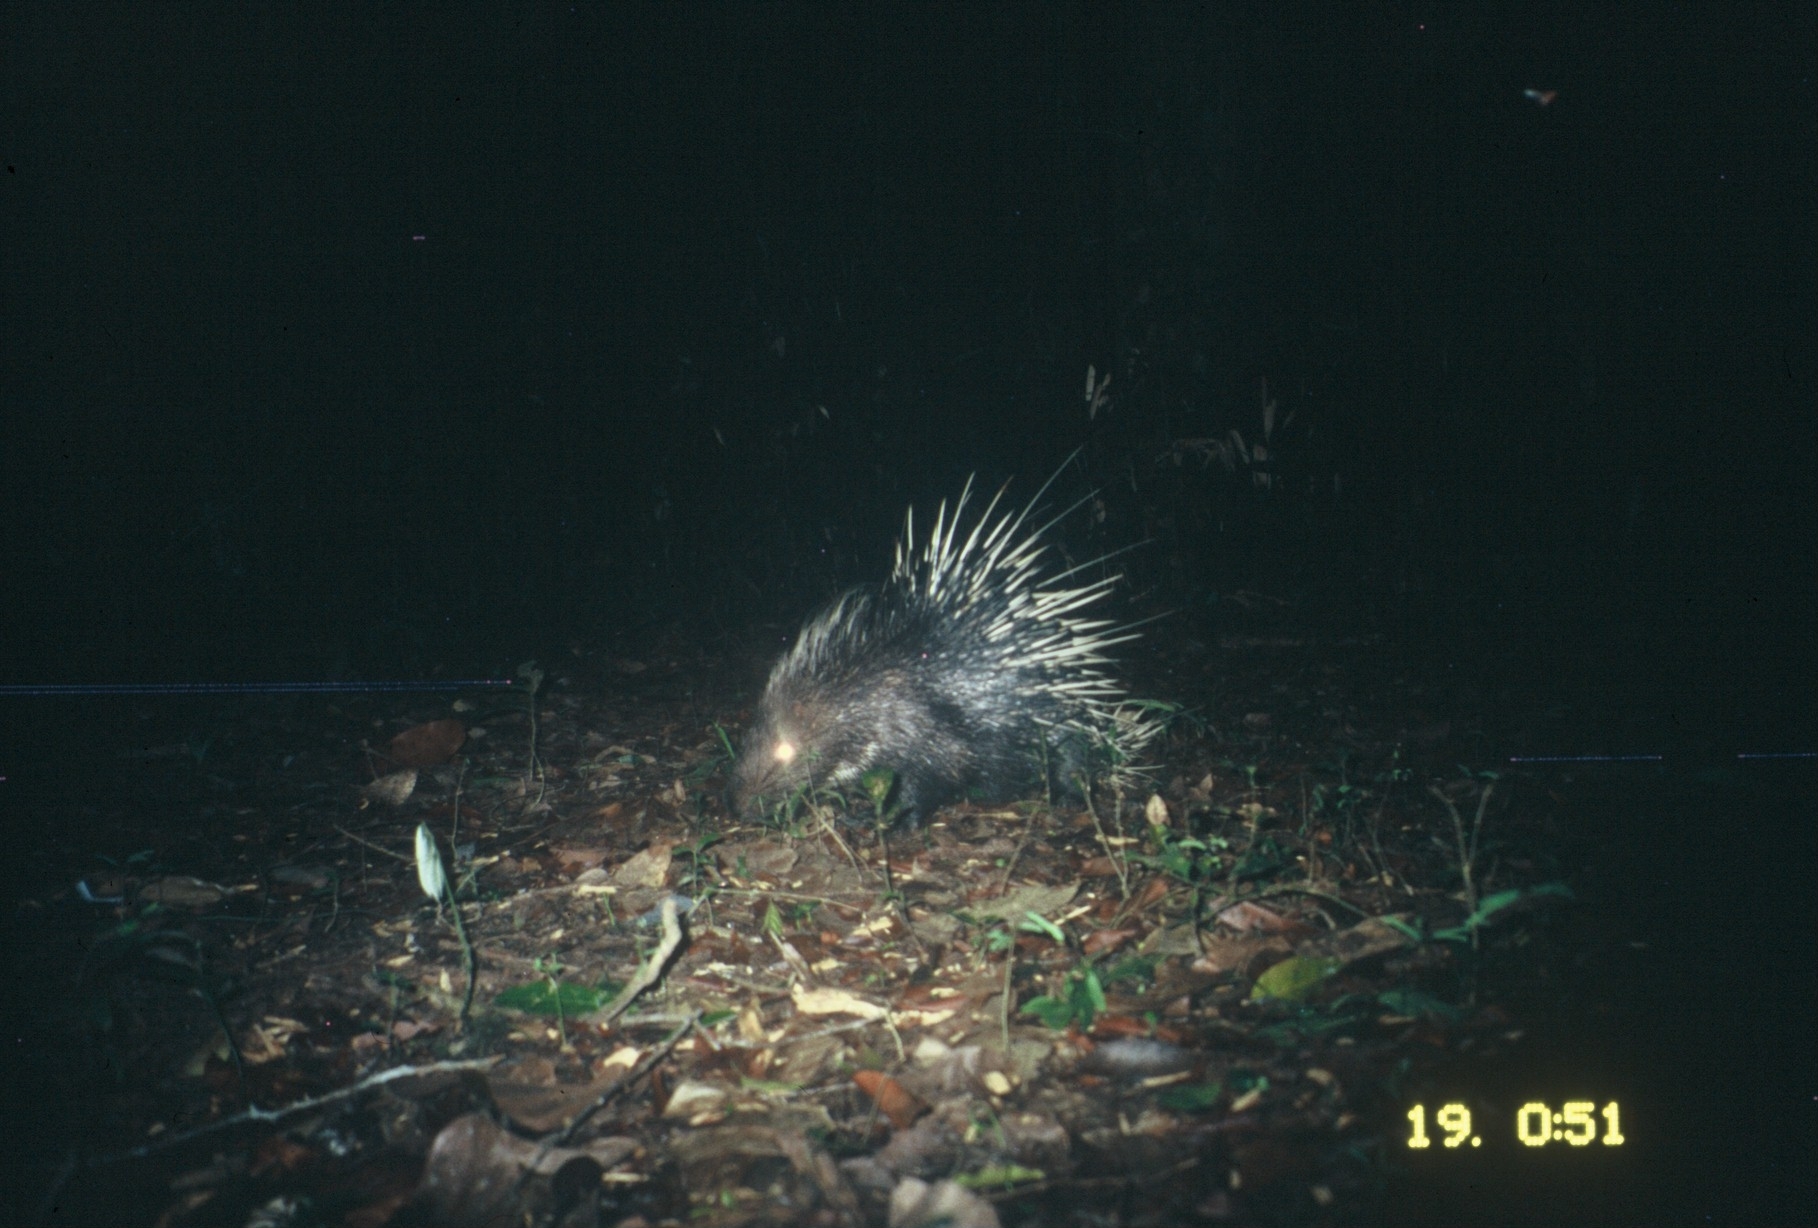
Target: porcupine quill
{"points": [[968, 673]]}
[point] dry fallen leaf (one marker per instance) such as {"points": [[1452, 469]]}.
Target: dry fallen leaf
{"points": [[1248, 917], [1099, 942], [916, 1204], [649, 868], [429, 744], [574, 859], [181, 891], [394, 789], [891, 1098], [834, 1002]]}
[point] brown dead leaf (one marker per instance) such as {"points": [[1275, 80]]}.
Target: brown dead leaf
{"points": [[268, 1040], [1221, 953], [573, 859], [302, 877], [891, 1098], [393, 789], [695, 1099], [1371, 936], [1043, 899], [1106, 1027], [833, 1002], [531, 1070], [757, 858], [181, 891], [429, 744], [278, 1155], [1153, 892], [1249, 917], [649, 868], [474, 1170], [1100, 942], [529, 1093]]}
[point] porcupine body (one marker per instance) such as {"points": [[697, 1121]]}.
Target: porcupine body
{"points": [[967, 673]]}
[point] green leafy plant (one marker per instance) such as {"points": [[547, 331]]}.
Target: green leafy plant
{"points": [[555, 997], [772, 923], [1188, 859], [1486, 910], [1079, 1000], [695, 880], [1192, 1097]]}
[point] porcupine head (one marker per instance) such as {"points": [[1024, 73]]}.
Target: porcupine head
{"points": [[964, 674]]}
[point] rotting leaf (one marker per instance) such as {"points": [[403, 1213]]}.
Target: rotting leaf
{"points": [[533, 1098], [429, 744], [693, 1097], [1247, 916], [1371, 936], [474, 1170], [892, 1099], [1153, 892], [307, 877], [834, 1002], [182, 891], [469, 1174], [1015, 905], [576, 859], [393, 789], [1101, 942], [649, 868]]}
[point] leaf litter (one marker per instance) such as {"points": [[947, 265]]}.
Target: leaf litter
{"points": [[1183, 1006]]}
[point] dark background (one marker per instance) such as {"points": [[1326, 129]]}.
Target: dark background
{"points": [[704, 297], [419, 341]]}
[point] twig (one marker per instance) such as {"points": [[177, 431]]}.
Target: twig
{"points": [[377, 848], [758, 893], [532, 679], [1467, 847], [472, 957], [255, 1114], [649, 1062], [897, 901], [652, 969], [1230, 901], [1119, 862], [1003, 880]]}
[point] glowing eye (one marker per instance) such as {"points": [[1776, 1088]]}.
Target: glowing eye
{"points": [[784, 752]]}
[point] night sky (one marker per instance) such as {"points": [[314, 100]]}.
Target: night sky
{"points": [[422, 339]]}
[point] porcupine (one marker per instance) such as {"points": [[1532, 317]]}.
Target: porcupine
{"points": [[967, 673]]}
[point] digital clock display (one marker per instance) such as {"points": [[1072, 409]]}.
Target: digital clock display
{"points": [[1575, 1123]]}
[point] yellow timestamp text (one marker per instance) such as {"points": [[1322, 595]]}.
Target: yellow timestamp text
{"points": [[1577, 1123]]}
